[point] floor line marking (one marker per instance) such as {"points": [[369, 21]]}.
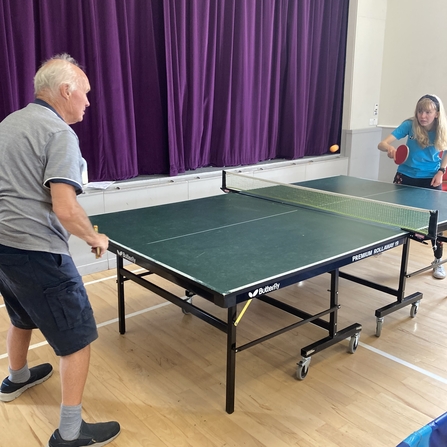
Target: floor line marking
{"points": [[134, 314], [158, 306], [404, 363], [105, 323]]}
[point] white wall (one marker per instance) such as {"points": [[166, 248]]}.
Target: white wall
{"points": [[366, 34], [414, 58]]}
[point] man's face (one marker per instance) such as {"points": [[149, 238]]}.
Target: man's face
{"points": [[77, 102]]}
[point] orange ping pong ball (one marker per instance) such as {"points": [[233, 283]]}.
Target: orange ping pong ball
{"points": [[334, 148]]}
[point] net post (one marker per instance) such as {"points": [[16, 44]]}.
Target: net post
{"points": [[433, 224]]}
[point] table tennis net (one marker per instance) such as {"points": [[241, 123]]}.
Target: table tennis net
{"points": [[413, 219]]}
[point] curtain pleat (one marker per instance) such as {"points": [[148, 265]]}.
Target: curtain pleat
{"points": [[180, 84]]}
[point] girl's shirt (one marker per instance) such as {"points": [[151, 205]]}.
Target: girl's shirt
{"points": [[421, 162]]}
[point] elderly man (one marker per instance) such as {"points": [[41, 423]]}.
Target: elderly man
{"points": [[40, 177]]}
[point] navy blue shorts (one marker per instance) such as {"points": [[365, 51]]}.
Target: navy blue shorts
{"points": [[45, 291]]}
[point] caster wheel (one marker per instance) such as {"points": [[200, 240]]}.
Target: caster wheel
{"points": [[302, 368], [353, 343], [414, 309]]}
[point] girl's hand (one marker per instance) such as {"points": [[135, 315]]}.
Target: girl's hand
{"points": [[437, 179], [391, 152]]}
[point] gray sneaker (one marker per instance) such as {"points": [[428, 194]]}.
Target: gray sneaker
{"points": [[438, 269]]}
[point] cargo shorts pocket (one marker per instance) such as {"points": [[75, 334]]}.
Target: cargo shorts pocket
{"points": [[68, 302]]}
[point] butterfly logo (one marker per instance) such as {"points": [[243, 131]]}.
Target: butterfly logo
{"points": [[253, 294]]}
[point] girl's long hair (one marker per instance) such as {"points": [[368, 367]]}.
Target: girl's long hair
{"points": [[428, 103]]}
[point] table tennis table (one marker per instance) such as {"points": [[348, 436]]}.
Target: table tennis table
{"points": [[233, 248]]}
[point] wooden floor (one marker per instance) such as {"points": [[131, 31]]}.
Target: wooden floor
{"points": [[164, 380]]}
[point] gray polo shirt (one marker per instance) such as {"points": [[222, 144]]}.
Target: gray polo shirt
{"points": [[36, 147]]}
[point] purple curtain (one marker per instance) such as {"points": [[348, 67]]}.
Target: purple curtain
{"points": [[182, 84]]}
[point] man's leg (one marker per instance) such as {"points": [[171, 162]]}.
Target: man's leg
{"points": [[72, 429], [74, 371], [17, 344], [20, 376]]}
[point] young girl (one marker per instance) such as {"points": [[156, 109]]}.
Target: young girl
{"points": [[425, 166]]}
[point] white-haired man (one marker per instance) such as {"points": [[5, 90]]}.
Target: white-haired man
{"points": [[40, 178]]}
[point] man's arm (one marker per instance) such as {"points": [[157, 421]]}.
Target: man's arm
{"points": [[73, 217]]}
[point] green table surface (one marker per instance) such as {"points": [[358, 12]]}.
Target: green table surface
{"points": [[230, 241]]}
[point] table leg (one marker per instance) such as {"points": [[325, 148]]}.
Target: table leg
{"points": [[231, 359], [121, 304]]}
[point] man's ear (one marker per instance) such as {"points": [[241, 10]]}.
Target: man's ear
{"points": [[64, 90]]}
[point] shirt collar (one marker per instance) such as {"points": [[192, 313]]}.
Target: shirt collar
{"points": [[43, 103]]}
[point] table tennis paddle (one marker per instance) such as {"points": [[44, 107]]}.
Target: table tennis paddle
{"points": [[98, 249], [401, 154]]}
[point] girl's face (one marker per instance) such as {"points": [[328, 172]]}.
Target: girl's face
{"points": [[426, 116]]}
